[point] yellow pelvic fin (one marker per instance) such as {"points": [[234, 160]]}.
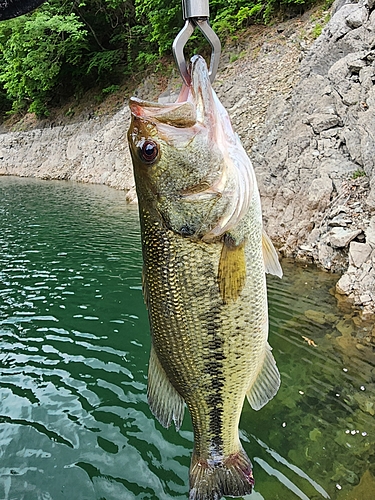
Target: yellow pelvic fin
{"points": [[165, 402], [266, 384], [232, 270], [270, 257]]}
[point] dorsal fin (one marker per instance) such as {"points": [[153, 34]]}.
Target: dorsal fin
{"points": [[267, 382]]}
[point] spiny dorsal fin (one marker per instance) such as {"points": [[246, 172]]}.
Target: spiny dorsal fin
{"points": [[270, 257], [164, 401], [266, 384], [232, 270]]}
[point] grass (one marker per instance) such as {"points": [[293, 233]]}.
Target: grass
{"points": [[358, 173]]}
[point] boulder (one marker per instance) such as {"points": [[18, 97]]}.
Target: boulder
{"points": [[320, 192], [340, 237], [370, 233], [359, 253], [344, 285]]}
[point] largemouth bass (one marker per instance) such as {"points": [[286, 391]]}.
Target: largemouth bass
{"points": [[205, 257]]}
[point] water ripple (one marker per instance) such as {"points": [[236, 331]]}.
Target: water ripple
{"points": [[74, 419]]}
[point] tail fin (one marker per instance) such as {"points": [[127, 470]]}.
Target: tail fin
{"points": [[211, 480]]}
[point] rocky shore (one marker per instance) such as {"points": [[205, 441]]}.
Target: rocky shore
{"points": [[305, 111], [94, 151], [315, 159]]}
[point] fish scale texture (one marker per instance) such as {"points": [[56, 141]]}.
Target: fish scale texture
{"points": [[211, 351], [205, 257]]}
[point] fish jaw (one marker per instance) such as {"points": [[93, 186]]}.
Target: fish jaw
{"points": [[237, 182], [203, 168], [179, 114]]}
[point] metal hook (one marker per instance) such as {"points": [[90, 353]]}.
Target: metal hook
{"points": [[196, 14]]}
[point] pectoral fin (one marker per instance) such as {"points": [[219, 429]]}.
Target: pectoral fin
{"points": [[232, 270], [164, 401], [266, 384], [270, 257]]}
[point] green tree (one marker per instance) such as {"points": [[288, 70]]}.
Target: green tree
{"points": [[67, 46], [33, 50]]}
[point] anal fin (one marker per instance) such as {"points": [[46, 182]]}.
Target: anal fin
{"points": [[165, 402], [266, 384], [232, 270], [270, 257]]}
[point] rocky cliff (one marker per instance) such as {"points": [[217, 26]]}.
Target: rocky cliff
{"points": [[93, 151], [306, 114], [315, 161]]}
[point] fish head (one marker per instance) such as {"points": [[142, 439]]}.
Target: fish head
{"points": [[188, 163]]}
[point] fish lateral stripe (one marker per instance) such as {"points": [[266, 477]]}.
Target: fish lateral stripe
{"points": [[215, 370], [204, 280]]}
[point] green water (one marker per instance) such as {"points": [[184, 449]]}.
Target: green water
{"points": [[74, 421]]}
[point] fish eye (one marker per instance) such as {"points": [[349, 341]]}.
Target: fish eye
{"points": [[148, 151]]}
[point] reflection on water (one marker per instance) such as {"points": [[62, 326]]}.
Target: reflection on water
{"points": [[74, 421]]}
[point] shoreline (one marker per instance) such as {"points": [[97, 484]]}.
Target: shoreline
{"points": [[304, 111]]}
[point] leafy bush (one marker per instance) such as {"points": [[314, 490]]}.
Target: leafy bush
{"points": [[63, 47], [33, 51]]}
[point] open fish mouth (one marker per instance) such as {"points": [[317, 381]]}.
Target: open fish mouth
{"points": [[205, 256], [226, 176]]}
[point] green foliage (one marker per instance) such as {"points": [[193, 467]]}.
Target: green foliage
{"points": [[318, 28], [104, 62], [358, 173], [111, 89], [159, 22], [235, 57], [65, 47], [33, 50], [246, 13]]}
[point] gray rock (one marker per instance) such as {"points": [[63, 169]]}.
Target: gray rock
{"points": [[370, 233], [344, 285], [319, 193], [370, 201], [339, 221], [359, 253], [340, 237], [353, 139], [357, 16], [323, 121], [92, 151], [325, 255], [334, 102], [337, 4]]}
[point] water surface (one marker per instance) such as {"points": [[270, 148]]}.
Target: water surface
{"points": [[74, 338]]}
